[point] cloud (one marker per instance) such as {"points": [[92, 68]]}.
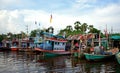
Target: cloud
{"points": [[109, 15], [15, 20], [81, 4], [9, 21]]}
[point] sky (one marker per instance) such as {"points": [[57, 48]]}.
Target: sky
{"points": [[15, 15]]}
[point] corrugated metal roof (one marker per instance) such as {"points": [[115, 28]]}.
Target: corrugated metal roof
{"points": [[80, 36]]}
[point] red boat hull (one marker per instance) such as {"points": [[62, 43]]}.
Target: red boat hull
{"points": [[14, 48]]}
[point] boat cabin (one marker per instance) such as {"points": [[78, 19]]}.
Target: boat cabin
{"points": [[27, 42], [51, 42], [15, 43], [57, 44]]}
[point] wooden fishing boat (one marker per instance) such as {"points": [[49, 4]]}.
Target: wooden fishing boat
{"points": [[118, 57], [14, 45], [52, 52], [96, 57], [14, 48], [53, 45]]}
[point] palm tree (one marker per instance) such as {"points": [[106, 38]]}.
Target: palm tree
{"points": [[90, 28], [51, 29], [84, 27], [77, 25], [69, 28]]}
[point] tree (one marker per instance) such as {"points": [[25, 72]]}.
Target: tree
{"points": [[79, 29], [90, 28], [23, 35], [94, 30], [33, 33], [2, 36], [10, 35], [69, 28], [51, 29], [77, 25], [84, 27]]}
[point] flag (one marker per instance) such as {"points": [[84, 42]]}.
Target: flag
{"points": [[51, 18]]}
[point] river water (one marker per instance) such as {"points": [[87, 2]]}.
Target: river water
{"points": [[22, 62]]}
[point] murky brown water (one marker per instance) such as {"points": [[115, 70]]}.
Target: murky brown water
{"points": [[20, 62]]}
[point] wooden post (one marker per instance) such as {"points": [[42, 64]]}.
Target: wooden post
{"points": [[72, 47], [79, 51]]}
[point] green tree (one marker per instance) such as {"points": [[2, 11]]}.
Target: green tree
{"points": [[50, 29], [95, 30], [77, 25], [84, 27], [90, 28], [69, 28], [33, 33], [79, 29], [2, 36], [23, 35]]}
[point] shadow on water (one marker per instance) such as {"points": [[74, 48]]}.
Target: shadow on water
{"points": [[23, 62]]}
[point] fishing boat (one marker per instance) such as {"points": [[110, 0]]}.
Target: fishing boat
{"points": [[15, 45], [118, 57], [96, 57], [14, 48], [52, 45]]}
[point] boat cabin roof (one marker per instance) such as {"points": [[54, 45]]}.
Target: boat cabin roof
{"points": [[56, 40]]}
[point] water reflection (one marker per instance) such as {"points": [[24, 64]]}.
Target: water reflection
{"points": [[22, 62]]}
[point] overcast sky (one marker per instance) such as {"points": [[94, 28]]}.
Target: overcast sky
{"points": [[15, 15]]}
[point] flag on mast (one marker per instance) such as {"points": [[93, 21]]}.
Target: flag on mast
{"points": [[51, 18]]}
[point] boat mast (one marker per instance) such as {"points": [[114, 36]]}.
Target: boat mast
{"points": [[107, 37], [99, 39]]}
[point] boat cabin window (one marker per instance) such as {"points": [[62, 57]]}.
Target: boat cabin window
{"points": [[55, 42], [47, 42]]}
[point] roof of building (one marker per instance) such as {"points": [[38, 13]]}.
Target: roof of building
{"points": [[80, 36], [115, 37]]}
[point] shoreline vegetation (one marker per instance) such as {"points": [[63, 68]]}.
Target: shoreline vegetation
{"points": [[78, 28]]}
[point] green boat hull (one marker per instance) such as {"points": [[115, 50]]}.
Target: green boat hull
{"points": [[97, 57], [118, 57], [47, 54]]}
